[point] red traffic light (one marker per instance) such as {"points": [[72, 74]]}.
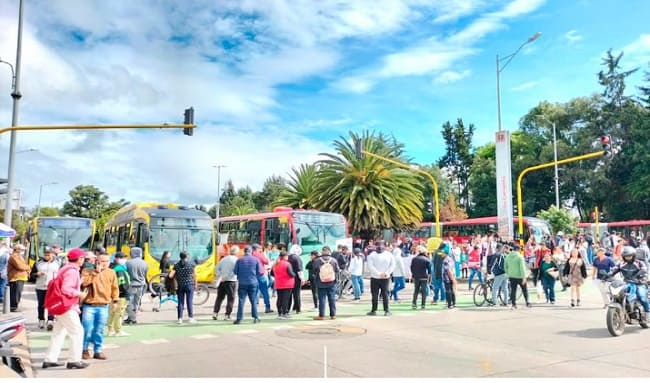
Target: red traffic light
{"points": [[605, 140]]}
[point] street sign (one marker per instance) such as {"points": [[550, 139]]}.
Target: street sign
{"points": [[504, 186]]}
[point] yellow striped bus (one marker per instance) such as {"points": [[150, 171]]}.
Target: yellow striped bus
{"points": [[159, 227], [67, 232]]}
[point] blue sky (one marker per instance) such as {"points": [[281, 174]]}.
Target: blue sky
{"points": [[274, 82]]}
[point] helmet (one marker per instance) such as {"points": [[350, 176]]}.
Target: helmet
{"points": [[628, 254]]}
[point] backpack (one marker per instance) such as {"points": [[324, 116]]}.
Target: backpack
{"points": [[56, 302], [326, 272]]}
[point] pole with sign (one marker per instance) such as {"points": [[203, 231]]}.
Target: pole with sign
{"points": [[505, 218]]}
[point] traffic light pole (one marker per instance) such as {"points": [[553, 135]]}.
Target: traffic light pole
{"points": [[433, 182], [520, 210]]}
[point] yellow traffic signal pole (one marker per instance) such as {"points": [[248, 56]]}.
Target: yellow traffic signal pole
{"points": [[417, 170], [520, 210], [96, 127]]}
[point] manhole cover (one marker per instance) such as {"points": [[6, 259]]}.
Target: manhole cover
{"points": [[310, 332]]}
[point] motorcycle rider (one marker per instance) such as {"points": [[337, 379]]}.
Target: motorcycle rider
{"points": [[634, 273]]}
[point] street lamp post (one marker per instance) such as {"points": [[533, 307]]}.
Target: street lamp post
{"points": [[557, 178], [217, 208], [15, 94], [40, 194], [503, 157]]}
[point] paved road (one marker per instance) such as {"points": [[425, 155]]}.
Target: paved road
{"points": [[545, 341]]}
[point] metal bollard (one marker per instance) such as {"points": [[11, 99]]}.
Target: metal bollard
{"points": [[5, 302]]}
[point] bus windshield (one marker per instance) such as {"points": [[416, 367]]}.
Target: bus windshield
{"points": [[67, 238], [314, 230], [539, 231], [197, 242]]}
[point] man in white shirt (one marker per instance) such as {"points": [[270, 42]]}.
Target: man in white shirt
{"points": [[380, 264]]}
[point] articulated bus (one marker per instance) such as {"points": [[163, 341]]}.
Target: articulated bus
{"points": [[310, 229], [624, 227], [67, 232], [157, 227]]}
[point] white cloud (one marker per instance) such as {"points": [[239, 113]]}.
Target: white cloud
{"points": [[421, 60], [452, 10], [637, 53], [354, 84], [573, 37], [525, 86], [451, 76]]}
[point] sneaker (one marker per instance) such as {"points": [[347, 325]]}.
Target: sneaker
{"points": [[192, 320], [41, 324], [387, 313], [529, 305], [237, 322], [268, 311], [50, 325], [414, 307], [319, 318], [180, 321], [99, 355], [422, 307], [372, 313], [47, 364], [215, 316], [333, 317], [286, 316], [256, 320], [76, 365], [227, 317], [121, 333], [111, 333]]}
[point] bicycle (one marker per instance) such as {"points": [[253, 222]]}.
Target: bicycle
{"points": [[344, 285], [483, 294], [157, 288]]}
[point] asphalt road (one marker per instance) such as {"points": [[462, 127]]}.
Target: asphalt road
{"points": [[544, 341]]}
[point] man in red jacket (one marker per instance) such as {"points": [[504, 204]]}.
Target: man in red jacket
{"points": [[474, 264]]}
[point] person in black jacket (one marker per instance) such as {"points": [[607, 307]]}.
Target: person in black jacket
{"points": [[311, 276], [296, 265], [420, 268]]}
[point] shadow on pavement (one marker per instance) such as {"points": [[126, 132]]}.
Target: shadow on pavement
{"points": [[596, 333]]}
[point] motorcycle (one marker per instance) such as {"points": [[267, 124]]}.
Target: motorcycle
{"points": [[9, 329], [621, 311]]}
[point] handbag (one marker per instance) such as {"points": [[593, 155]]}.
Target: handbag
{"points": [[553, 273]]}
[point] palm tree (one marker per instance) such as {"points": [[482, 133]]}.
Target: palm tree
{"points": [[299, 193], [372, 193]]}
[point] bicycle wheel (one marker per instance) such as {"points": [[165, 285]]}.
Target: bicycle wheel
{"points": [[201, 295], [480, 295]]}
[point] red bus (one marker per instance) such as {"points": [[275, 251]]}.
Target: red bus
{"points": [[639, 227], [310, 229]]}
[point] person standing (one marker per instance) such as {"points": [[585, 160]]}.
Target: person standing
{"points": [[296, 264], [185, 275], [103, 291], [226, 283], [116, 311], [165, 268], [247, 268], [380, 264], [438, 286], [284, 283], [399, 273], [497, 268], [356, 273], [449, 279], [17, 273], [576, 270], [474, 264], [46, 269], [601, 267], [327, 270], [515, 268], [548, 271], [4, 260], [420, 267], [138, 269], [311, 276], [263, 279], [68, 323]]}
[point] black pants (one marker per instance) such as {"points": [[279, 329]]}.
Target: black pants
{"points": [[377, 286], [450, 294], [284, 296], [225, 289], [314, 292], [40, 297], [420, 288], [15, 293], [295, 296], [514, 282]]}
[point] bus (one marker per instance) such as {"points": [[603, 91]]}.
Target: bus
{"points": [[639, 227], [310, 229], [67, 232], [158, 227]]}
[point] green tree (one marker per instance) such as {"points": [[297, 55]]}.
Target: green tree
{"points": [[299, 192], [458, 156], [47, 211], [86, 201], [482, 183], [271, 191], [444, 189], [372, 193], [238, 205], [559, 219]]}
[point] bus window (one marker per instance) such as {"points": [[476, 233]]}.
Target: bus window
{"points": [[254, 229]]}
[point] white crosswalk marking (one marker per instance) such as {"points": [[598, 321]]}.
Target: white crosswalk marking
{"points": [[203, 336], [283, 327], [154, 341]]}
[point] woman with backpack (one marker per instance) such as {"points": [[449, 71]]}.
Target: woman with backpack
{"points": [[284, 283]]}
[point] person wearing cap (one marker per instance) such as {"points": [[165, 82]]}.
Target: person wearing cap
{"points": [[247, 268], [68, 323], [515, 268], [46, 269], [356, 273], [17, 273], [116, 311]]}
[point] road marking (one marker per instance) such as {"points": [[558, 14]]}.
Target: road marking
{"points": [[284, 327], [405, 315], [431, 312], [317, 323], [349, 319], [247, 331], [154, 341], [203, 336]]}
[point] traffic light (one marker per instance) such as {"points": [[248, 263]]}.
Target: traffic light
{"points": [[429, 206], [189, 120], [358, 149], [606, 143]]}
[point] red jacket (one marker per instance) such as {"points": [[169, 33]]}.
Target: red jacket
{"points": [[474, 260], [284, 275]]}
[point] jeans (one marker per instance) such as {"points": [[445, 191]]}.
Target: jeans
{"points": [[439, 292], [251, 292], [66, 324], [135, 299], [640, 292], [15, 293], [472, 273], [331, 300], [40, 297], [399, 284], [420, 288], [264, 290], [3, 283], [115, 316], [226, 290], [94, 319], [185, 295], [450, 294], [548, 284], [357, 285], [514, 282], [377, 285], [284, 295], [500, 283]]}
